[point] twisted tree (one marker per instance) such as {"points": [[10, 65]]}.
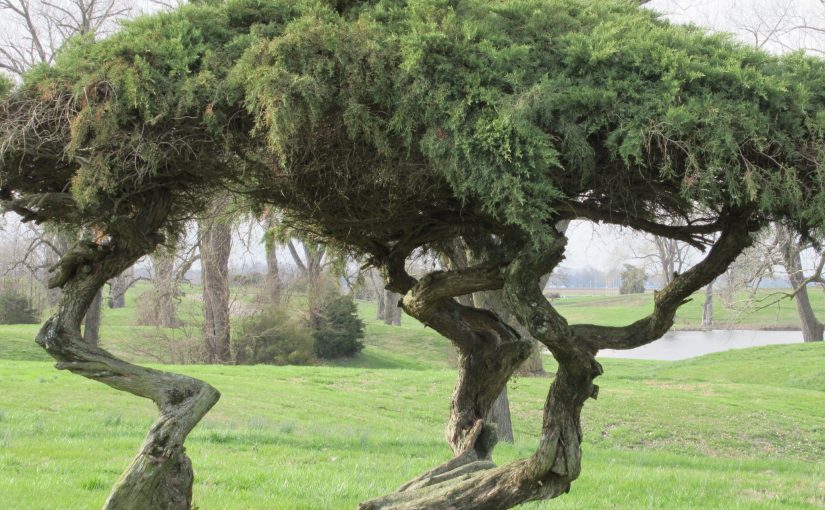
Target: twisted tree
{"points": [[388, 127]]}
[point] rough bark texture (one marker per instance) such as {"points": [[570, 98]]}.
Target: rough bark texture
{"points": [[470, 481], [812, 328], [91, 324], [160, 477], [488, 349], [215, 246]]}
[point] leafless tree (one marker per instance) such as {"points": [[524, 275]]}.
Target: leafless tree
{"points": [[34, 30]]}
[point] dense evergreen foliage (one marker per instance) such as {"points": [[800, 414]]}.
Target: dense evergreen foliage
{"points": [[274, 338], [16, 309], [513, 108], [339, 331]]}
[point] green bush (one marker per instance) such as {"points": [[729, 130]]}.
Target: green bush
{"points": [[339, 330], [16, 309], [273, 338]]}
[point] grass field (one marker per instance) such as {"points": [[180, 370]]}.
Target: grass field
{"points": [[738, 430]]}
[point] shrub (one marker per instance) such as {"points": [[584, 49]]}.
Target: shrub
{"points": [[339, 330], [273, 338], [16, 309], [633, 280]]}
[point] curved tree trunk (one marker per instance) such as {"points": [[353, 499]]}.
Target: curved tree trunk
{"points": [[161, 474], [488, 349], [470, 481]]}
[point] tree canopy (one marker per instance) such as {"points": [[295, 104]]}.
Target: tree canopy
{"points": [[384, 127]]}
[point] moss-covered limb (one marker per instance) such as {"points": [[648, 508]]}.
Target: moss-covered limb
{"points": [[161, 474]]}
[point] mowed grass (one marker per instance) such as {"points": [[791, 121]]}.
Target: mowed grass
{"points": [[743, 429], [661, 435]]}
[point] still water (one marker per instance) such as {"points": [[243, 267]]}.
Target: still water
{"points": [[677, 345]]}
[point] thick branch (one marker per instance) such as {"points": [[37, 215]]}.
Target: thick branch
{"points": [[735, 238]]}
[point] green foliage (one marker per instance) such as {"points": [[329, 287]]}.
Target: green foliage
{"points": [[273, 338], [504, 111], [16, 309], [633, 280], [338, 330]]}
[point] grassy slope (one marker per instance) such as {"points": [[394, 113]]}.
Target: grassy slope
{"points": [[731, 430]]}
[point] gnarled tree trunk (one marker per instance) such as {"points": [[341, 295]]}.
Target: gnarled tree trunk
{"points": [[161, 474], [470, 480]]}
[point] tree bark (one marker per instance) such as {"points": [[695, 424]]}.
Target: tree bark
{"points": [[161, 475], [118, 287], [392, 312], [162, 306], [499, 415], [215, 247], [91, 324], [59, 244], [470, 480], [488, 349], [812, 328], [707, 308], [379, 305]]}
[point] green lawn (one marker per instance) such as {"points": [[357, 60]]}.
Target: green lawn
{"points": [[738, 430], [661, 435], [766, 310]]}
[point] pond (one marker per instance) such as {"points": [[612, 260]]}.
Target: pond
{"points": [[676, 345]]}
